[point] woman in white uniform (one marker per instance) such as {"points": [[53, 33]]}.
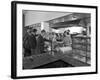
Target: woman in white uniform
{"points": [[67, 41]]}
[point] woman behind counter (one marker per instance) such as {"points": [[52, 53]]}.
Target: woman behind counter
{"points": [[67, 41], [64, 42]]}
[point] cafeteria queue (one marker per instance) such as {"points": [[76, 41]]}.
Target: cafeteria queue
{"points": [[34, 44]]}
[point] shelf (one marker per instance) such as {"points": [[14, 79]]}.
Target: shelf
{"points": [[81, 49], [79, 43], [82, 59], [82, 37], [75, 61], [81, 54]]}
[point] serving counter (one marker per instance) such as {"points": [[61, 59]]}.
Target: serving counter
{"points": [[46, 58]]}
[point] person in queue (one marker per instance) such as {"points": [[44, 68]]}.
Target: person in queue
{"points": [[29, 42], [33, 41], [41, 42], [27, 50]]}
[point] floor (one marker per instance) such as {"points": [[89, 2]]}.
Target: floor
{"points": [[56, 64]]}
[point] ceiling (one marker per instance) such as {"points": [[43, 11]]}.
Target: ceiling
{"points": [[32, 17]]}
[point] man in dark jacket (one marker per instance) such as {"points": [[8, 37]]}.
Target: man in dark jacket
{"points": [[40, 42], [33, 42], [30, 42]]}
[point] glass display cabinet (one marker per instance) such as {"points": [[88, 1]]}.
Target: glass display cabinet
{"points": [[81, 48]]}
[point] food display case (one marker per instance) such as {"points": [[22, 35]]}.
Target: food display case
{"points": [[81, 48]]}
